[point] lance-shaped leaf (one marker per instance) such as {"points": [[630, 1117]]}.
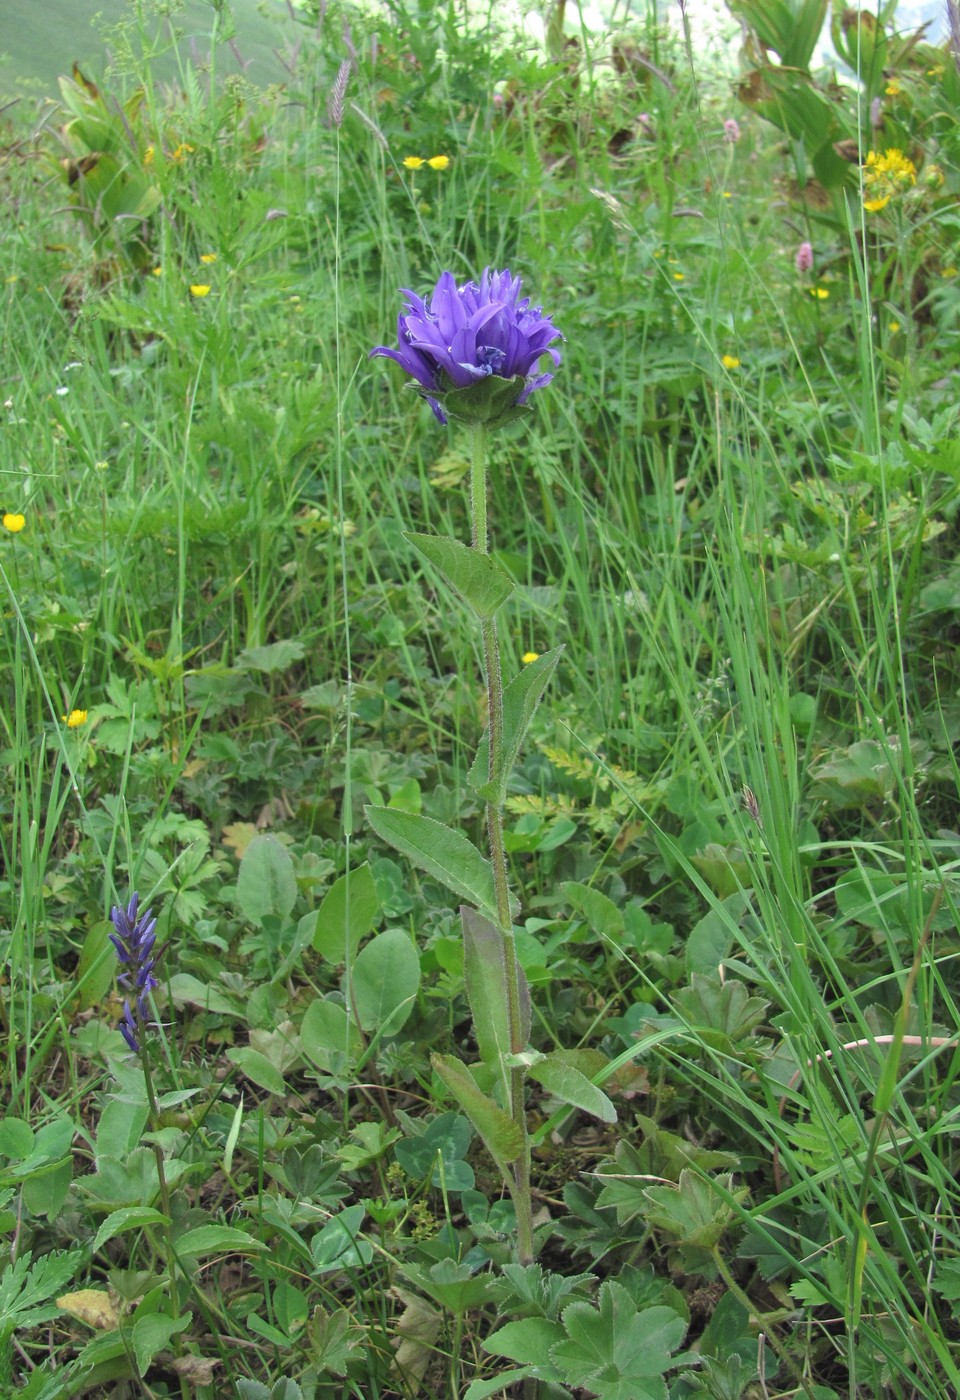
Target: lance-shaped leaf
{"points": [[500, 1134], [445, 854], [566, 1082], [520, 700], [477, 578], [485, 975]]}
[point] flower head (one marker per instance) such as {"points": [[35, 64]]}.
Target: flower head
{"points": [[530, 656], [438, 162], [13, 521], [804, 258], [730, 362], [75, 719], [885, 176], [477, 348], [133, 939], [731, 130], [413, 162], [199, 289]]}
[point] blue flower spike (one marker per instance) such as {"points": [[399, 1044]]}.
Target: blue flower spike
{"points": [[134, 939]]}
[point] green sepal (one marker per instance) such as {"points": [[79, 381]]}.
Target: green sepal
{"points": [[566, 1082], [520, 701], [491, 401], [445, 854], [485, 976], [501, 1136], [475, 577]]}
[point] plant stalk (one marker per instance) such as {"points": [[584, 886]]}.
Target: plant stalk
{"points": [[520, 1186]]}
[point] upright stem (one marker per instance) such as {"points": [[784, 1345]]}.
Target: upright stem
{"points": [[520, 1187]]}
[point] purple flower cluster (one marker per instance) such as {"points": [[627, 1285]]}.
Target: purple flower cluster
{"points": [[134, 939], [469, 333]]}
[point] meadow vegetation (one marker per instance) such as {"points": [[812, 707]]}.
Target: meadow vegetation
{"points": [[731, 826]]}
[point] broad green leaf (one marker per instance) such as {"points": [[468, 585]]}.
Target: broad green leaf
{"points": [[258, 1069], [447, 1138], [275, 656], [693, 1212], [328, 1035], [600, 912], [565, 1082], [340, 1245], [477, 578], [497, 1385], [485, 975], [723, 1007], [217, 1239], [615, 1350], [346, 915], [152, 1333], [130, 1218], [266, 884], [528, 1341], [501, 1135], [445, 854], [385, 982], [95, 970], [187, 990], [520, 700]]}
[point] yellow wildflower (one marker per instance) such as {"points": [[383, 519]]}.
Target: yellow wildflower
{"points": [[728, 194], [885, 176], [148, 155], [413, 162], [438, 162], [873, 206], [892, 89], [529, 656], [950, 271], [182, 150], [821, 293], [198, 289], [893, 327], [208, 257], [75, 718], [13, 522], [678, 277], [157, 272], [730, 362]]}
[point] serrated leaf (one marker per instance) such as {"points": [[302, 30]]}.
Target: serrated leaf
{"points": [[625, 1350], [128, 1218], [528, 1341], [520, 701], [275, 656], [725, 1007], [445, 854], [565, 1082], [693, 1212], [501, 1135], [485, 977], [346, 915], [497, 1385], [475, 577]]}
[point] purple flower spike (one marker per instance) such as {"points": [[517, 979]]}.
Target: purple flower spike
{"points": [[468, 335], [134, 940]]}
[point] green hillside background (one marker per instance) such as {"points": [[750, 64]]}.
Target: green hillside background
{"points": [[39, 42]]}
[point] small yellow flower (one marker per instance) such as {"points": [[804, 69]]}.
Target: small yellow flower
{"points": [[148, 155], [893, 327], [529, 656], [157, 272], [75, 718], [438, 162], [873, 206], [730, 362], [13, 522], [182, 150], [950, 271], [892, 89], [198, 289], [413, 162], [821, 293], [208, 257], [678, 277], [728, 194]]}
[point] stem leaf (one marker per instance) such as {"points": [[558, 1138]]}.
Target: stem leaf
{"points": [[565, 1082], [520, 700], [501, 1136], [485, 974], [477, 578], [445, 854]]}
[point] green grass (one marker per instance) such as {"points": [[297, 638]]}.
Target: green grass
{"points": [[732, 826]]}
